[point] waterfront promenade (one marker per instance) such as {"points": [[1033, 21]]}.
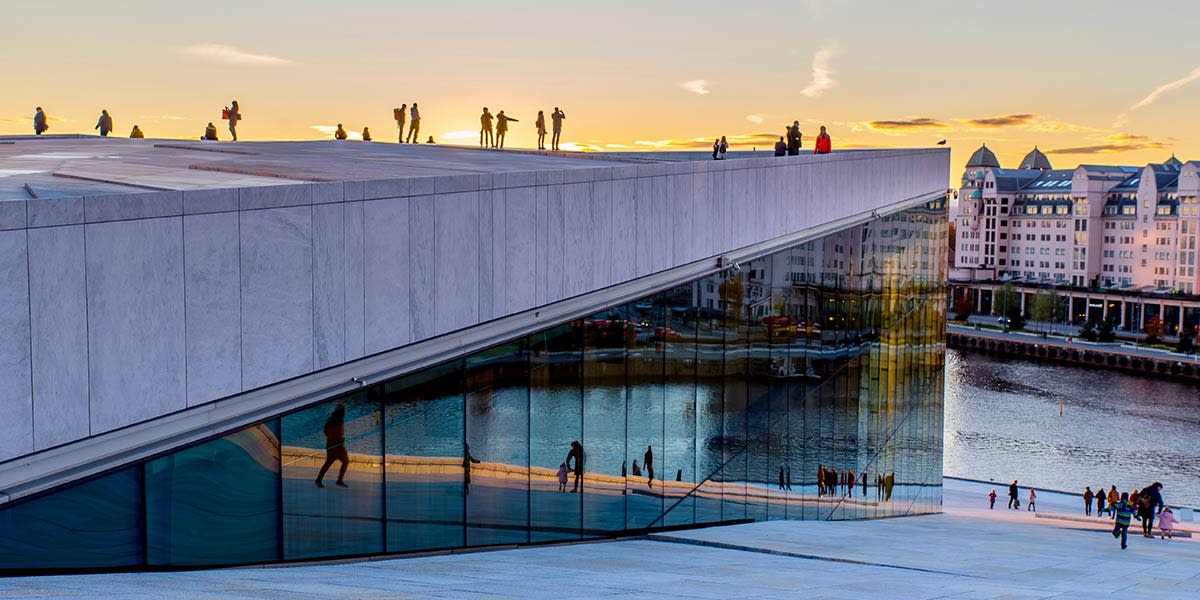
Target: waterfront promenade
{"points": [[967, 552]]}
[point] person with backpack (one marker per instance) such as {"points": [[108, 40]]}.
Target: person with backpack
{"points": [[400, 115], [540, 125], [233, 115], [104, 124], [39, 122], [793, 139], [1113, 498], [1123, 514], [556, 119]]}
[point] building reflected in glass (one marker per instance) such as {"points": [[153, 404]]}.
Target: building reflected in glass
{"points": [[805, 384]]}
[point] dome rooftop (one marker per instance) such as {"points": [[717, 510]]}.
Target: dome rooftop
{"points": [[1036, 159], [983, 158]]}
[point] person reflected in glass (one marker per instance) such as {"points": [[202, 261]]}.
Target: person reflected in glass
{"points": [[637, 471], [556, 118], [562, 477], [574, 462], [889, 482], [468, 460], [789, 478], [335, 446], [648, 463], [781, 475], [864, 484], [540, 125], [850, 482], [485, 129], [502, 128]]}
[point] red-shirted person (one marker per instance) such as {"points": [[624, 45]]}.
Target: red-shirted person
{"points": [[824, 144]]}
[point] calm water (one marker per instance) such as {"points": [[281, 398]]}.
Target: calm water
{"points": [[1003, 423]]}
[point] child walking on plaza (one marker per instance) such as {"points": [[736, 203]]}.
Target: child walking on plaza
{"points": [[992, 500], [1166, 523], [1124, 516], [1032, 501], [562, 477]]}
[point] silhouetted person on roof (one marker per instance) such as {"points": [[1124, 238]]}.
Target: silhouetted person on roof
{"points": [[502, 127], [485, 130], [540, 125], [716, 148], [556, 118], [210, 133], [104, 123], [340, 134], [722, 148], [366, 134], [794, 138], [39, 122], [430, 140], [780, 147], [414, 125], [401, 115], [824, 144], [234, 116], [335, 446], [136, 134]]}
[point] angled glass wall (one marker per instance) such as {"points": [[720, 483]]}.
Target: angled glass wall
{"points": [[806, 384]]}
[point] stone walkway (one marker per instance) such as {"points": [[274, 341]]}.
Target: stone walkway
{"points": [[968, 552]]}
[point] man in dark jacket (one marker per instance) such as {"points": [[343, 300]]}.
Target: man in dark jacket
{"points": [[39, 122], [780, 147], [1150, 502], [794, 136], [1012, 495], [104, 124]]}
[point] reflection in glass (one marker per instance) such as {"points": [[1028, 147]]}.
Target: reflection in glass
{"points": [[644, 424], [555, 433], [604, 393]]}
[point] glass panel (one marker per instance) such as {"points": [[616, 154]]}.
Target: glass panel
{"points": [[497, 452], [679, 445], [710, 365], [423, 427], [95, 524], [733, 473], [556, 433], [604, 395], [644, 442], [762, 314], [333, 479], [216, 503]]}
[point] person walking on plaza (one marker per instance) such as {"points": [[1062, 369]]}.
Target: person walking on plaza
{"points": [[1100, 497], [1166, 523], [104, 123], [234, 116], [136, 134], [540, 125], [485, 130], [1150, 501], [1032, 501], [793, 139], [556, 118], [1012, 495], [562, 477], [1087, 500], [992, 500], [40, 124], [414, 125], [780, 477], [335, 446], [824, 143], [340, 134], [400, 115], [648, 464], [1113, 498], [1123, 515], [850, 482], [502, 128]]}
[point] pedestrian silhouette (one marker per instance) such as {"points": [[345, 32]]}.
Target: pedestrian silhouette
{"points": [[468, 460], [136, 133], [400, 115], [780, 147], [414, 124], [1013, 502], [575, 463], [335, 446], [340, 134], [637, 471], [722, 147], [648, 463], [39, 122], [430, 140], [789, 478], [104, 123], [540, 124], [210, 133], [781, 482], [235, 115], [502, 127], [794, 139], [679, 475], [485, 130], [824, 144], [624, 473], [366, 134], [716, 148], [556, 119], [562, 477]]}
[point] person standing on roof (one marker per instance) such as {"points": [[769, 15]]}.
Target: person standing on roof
{"points": [[340, 134], [39, 122], [234, 116], [401, 115], [793, 139], [502, 128], [414, 125], [104, 124], [485, 130], [824, 143], [556, 118], [540, 125]]}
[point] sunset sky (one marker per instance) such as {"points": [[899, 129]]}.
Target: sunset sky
{"points": [[1098, 82]]}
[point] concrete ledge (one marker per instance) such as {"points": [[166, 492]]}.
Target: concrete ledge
{"points": [[197, 202], [49, 212], [275, 196], [121, 207], [13, 214], [375, 189], [326, 193]]}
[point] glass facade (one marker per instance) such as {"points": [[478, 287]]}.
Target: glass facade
{"points": [[805, 384]]}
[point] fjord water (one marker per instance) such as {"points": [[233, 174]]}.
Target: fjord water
{"points": [[1002, 423]]}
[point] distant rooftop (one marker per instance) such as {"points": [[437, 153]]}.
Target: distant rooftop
{"points": [[64, 166]]}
